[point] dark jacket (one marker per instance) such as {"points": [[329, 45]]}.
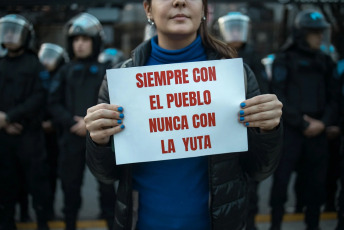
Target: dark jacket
{"points": [[227, 172], [306, 82], [22, 96], [249, 56], [74, 89]]}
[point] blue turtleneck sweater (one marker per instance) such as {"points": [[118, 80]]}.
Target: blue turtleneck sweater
{"points": [[173, 194]]}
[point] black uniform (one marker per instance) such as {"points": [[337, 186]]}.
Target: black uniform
{"points": [[22, 99], [341, 193], [52, 148], [73, 90], [306, 83], [249, 57], [341, 167]]}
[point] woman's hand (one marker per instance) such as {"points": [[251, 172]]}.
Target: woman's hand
{"points": [[104, 120], [263, 111]]}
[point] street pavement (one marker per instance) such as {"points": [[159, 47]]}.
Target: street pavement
{"points": [[90, 210]]}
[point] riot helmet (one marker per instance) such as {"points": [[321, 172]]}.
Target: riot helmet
{"points": [[17, 31], [310, 28], [310, 20], [85, 24], [234, 27], [52, 56], [111, 56]]}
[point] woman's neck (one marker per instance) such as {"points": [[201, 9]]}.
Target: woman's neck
{"points": [[175, 42]]}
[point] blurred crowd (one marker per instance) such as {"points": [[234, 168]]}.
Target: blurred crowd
{"points": [[44, 98]]}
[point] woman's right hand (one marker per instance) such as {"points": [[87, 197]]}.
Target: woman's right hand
{"points": [[104, 120]]}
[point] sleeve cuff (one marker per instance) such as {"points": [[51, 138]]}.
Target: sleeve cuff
{"points": [[101, 150]]}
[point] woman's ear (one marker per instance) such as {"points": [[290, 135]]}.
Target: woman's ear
{"points": [[147, 8]]}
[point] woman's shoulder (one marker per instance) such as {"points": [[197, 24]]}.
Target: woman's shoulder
{"points": [[140, 54]]}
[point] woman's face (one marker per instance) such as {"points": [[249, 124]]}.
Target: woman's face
{"points": [[175, 19]]}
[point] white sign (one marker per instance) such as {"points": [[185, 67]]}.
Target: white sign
{"points": [[178, 110]]}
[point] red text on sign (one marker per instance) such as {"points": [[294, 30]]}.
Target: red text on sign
{"points": [[203, 120], [161, 78], [186, 99], [197, 143], [170, 146], [204, 74], [154, 101], [162, 124]]}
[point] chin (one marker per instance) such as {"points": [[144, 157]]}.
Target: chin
{"points": [[80, 55], [183, 32]]}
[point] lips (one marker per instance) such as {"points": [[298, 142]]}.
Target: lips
{"points": [[179, 16]]}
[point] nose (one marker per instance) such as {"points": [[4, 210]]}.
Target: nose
{"points": [[179, 3]]}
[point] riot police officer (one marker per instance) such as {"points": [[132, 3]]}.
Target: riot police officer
{"points": [[305, 80], [340, 212], [74, 89], [52, 57], [22, 98], [234, 29]]}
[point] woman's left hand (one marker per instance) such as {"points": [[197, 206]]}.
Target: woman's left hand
{"points": [[263, 111]]}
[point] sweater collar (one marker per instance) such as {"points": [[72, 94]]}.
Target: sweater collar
{"points": [[193, 52], [141, 53]]}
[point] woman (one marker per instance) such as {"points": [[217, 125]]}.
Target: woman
{"points": [[194, 193]]}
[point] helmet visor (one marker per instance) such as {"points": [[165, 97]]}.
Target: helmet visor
{"points": [[49, 57], [234, 30], [12, 33], [84, 24]]}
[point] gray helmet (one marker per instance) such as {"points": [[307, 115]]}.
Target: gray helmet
{"points": [[111, 56], [86, 25], [311, 20], [52, 55], [16, 29], [234, 27]]}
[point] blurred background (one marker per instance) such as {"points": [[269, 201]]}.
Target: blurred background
{"points": [[124, 20], [124, 23]]}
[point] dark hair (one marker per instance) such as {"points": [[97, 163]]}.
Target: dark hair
{"points": [[210, 41]]}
